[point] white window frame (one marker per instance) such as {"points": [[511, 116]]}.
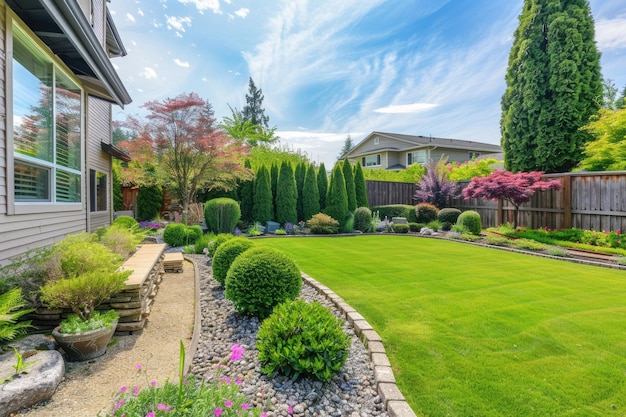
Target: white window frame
{"points": [[26, 207], [412, 156], [378, 158]]}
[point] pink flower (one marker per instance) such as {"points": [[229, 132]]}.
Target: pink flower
{"points": [[237, 381], [245, 406], [290, 409], [236, 352], [217, 411], [118, 404], [264, 414], [164, 407], [138, 367], [228, 403], [151, 414], [123, 389], [225, 379], [135, 390], [153, 383]]}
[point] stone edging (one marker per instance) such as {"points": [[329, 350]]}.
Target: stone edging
{"points": [[390, 395], [197, 317]]}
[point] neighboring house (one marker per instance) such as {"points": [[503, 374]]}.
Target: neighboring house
{"points": [[55, 143], [394, 151]]}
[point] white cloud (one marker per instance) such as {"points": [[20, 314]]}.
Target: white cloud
{"points": [[180, 63], [406, 108], [140, 12], [178, 34], [203, 5], [611, 33], [243, 12], [178, 23], [148, 73], [130, 17]]}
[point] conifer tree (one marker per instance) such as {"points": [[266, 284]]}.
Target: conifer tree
{"points": [[300, 173], [553, 86], [274, 180], [286, 195], [310, 194], [322, 185], [337, 197], [246, 197], [360, 187], [348, 175], [263, 209], [253, 111]]}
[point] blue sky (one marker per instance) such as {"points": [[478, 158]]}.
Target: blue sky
{"points": [[329, 69]]}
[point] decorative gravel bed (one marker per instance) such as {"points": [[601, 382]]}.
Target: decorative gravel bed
{"points": [[352, 392]]}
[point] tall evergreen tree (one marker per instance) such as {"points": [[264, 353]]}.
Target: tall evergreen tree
{"points": [[300, 173], [263, 209], [246, 197], [310, 194], [337, 197], [253, 111], [347, 146], [360, 187], [274, 180], [322, 185], [348, 175], [553, 86], [286, 195]]}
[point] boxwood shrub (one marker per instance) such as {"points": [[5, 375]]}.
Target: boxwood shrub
{"points": [[178, 234], [222, 215], [470, 221], [449, 215], [216, 242], [226, 254], [400, 228], [363, 219], [425, 212], [301, 339], [260, 279]]}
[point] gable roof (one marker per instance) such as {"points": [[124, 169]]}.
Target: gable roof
{"points": [[408, 142]]}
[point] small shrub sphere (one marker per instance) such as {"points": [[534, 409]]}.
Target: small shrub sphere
{"points": [[260, 279], [323, 224], [449, 215], [301, 339], [470, 221], [174, 234], [192, 234], [216, 242], [226, 254], [425, 213], [126, 222], [400, 228], [363, 219]]}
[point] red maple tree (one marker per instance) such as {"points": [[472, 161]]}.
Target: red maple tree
{"points": [[516, 188]]}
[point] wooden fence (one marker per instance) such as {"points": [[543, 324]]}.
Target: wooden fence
{"points": [[587, 200]]}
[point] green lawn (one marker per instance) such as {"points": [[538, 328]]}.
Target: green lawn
{"points": [[472, 331]]}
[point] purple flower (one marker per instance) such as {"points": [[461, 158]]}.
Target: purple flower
{"points": [[123, 389], [217, 411], [237, 381], [225, 379], [228, 403], [151, 414], [138, 367], [153, 383], [236, 352]]}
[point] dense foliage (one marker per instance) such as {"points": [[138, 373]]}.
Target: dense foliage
{"points": [[178, 234], [322, 185], [226, 254], [301, 339], [310, 194], [216, 242], [396, 210], [286, 195], [263, 206], [348, 176], [448, 216], [337, 197], [470, 222], [149, 201], [260, 279], [246, 196], [411, 174], [11, 309], [222, 215], [607, 152], [553, 86], [360, 187], [434, 187], [425, 212], [458, 171], [363, 219], [323, 224], [299, 174]]}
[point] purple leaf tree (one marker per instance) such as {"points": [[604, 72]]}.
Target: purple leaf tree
{"points": [[435, 188], [515, 188]]}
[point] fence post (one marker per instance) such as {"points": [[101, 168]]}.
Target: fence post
{"points": [[500, 213], [566, 200]]}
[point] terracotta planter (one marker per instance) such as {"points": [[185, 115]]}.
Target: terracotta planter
{"points": [[84, 346]]}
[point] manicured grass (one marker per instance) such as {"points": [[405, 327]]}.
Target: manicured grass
{"points": [[473, 331]]}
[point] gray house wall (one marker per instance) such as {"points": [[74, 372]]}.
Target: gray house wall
{"points": [[98, 130]]}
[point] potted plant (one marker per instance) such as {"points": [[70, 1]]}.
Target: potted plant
{"points": [[82, 274]]}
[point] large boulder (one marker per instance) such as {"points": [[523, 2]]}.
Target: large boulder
{"points": [[43, 371]]}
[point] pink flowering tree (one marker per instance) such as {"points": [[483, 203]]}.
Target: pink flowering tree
{"points": [[516, 188]]}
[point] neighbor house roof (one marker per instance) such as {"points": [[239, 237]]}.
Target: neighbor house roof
{"points": [[63, 27], [408, 142]]}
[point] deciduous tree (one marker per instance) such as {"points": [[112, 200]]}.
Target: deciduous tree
{"points": [[553, 86], [608, 151], [245, 131], [515, 188]]}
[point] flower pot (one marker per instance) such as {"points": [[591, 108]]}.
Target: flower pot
{"points": [[84, 346]]}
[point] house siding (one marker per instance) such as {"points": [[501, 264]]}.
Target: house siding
{"points": [[98, 130], [383, 143], [3, 142], [99, 21]]}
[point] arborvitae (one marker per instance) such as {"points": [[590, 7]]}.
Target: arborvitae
{"points": [[554, 85], [149, 202], [274, 180], [246, 197], [263, 209], [337, 198], [322, 185], [300, 173], [310, 194], [286, 195], [348, 175], [360, 187]]}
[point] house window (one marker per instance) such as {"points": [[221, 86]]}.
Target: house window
{"points": [[47, 127], [97, 191], [472, 155], [417, 157], [371, 160]]}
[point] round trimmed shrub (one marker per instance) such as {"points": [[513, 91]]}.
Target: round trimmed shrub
{"points": [[415, 227], [126, 222], [216, 242], [226, 254], [470, 221], [400, 228], [192, 233], [222, 215], [425, 213], [449, 215], [301, 339], [174, 234], [260, 279], [363, 219]]}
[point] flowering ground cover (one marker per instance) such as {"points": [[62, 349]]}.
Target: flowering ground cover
{"points": [[476, 331]]}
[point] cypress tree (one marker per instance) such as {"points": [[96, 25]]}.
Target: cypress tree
{"points": [[310, 194], [322, 185], [337, 197], [262, 209], [274, 180], [300, 173], [348, 175], [553, 86], [360, 187], [286, 195], [149, 202], [246, 197]]}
